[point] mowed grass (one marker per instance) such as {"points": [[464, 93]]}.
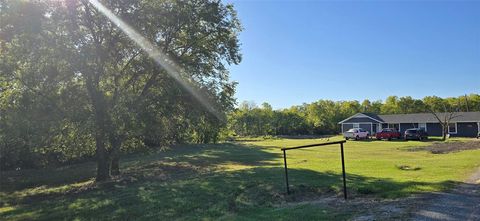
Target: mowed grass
{"points": [[233, 181], [375, 166]]}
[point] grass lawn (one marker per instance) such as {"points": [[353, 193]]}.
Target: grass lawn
{"points": [[241, 181]]}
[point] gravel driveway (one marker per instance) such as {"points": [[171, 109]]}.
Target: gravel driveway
{"points": [[461, 203]]}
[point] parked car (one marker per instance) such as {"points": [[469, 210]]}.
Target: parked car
{"points": [[415, 134], [388, 133], [356, 133]]}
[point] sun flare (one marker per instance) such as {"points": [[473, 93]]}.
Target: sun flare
{"points": [[158, 56]]}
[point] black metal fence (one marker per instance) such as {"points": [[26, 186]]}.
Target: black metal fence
{"points": [[316, 145]]}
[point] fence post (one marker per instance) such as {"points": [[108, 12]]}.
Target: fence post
{"points": [[343, 173], [286, 170]]}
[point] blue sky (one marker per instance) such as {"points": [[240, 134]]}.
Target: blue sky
{"points": [[296, 52]]}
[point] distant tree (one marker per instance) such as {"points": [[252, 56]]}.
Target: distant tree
{"points": [[473, 102], [409, 105], [443, 112], [366, 106], [247, 105], [434, 103], [391, 105], [376, 107]]}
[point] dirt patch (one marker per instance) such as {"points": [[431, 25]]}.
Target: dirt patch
{"points": [[363, 208], [449, 147], [408, 167], [163, 171], [381, 209]]}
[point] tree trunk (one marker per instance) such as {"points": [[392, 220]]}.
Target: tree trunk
{"points": [[115, 165], [444, 132], [103, 168], [116, 142]]}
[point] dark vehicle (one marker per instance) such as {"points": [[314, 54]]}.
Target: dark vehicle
{"points": [[388, 133], [415, 134], [478, 135]]}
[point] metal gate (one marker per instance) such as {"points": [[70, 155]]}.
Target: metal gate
{"points": [[316, 145]]}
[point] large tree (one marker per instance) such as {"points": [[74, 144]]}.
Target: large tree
{"points": [[127, 92], [443, 110]]}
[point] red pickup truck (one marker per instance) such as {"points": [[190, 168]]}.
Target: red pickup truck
{"points": [[388, 133]]}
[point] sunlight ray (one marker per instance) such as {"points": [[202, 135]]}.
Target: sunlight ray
{"points": [[158, 56]]}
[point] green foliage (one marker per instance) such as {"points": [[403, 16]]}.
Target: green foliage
{"points": [[73, 85], [250, 120], [322, 117]]}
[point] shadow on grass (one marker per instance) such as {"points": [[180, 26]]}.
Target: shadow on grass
{"points": [[200, 157], [210, 195], [215, 154], [18, 180]]}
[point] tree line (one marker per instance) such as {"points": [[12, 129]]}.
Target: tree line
{"points": [[322, 117]]}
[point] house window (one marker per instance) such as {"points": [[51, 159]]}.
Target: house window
{"points": [[422, 126], [452, 128], [356, 125], [396, 126]]}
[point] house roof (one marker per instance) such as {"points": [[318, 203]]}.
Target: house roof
{"points": [[422, 117], [429, 117], [366, 115], [374, 116]]}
